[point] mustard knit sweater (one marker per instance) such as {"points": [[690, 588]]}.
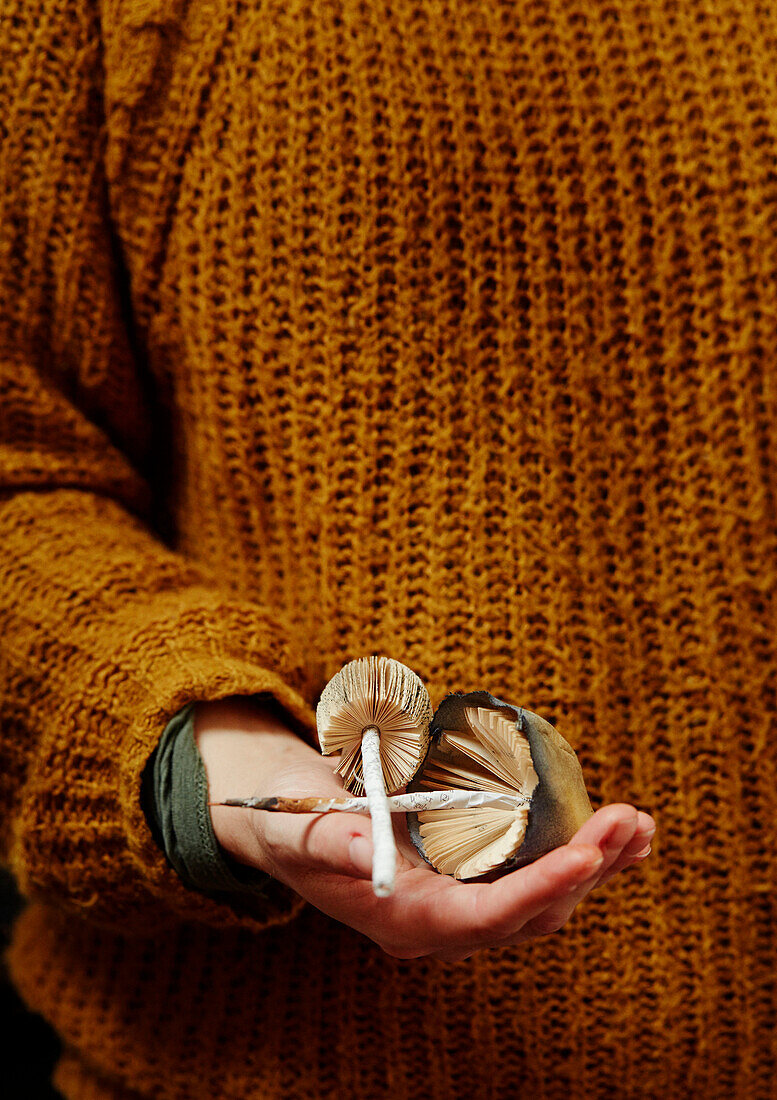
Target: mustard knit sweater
{"points": [[441, 331]]}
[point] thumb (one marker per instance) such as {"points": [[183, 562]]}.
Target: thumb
{"points": [[360, 854], [327, 843]]}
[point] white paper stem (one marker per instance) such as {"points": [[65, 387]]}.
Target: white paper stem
{"points": [[397, 803], [384, 851]]}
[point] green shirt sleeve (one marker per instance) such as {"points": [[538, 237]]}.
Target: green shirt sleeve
{"points": [[175, 802]]}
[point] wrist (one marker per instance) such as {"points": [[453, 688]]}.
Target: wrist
{"points": [[236, 737], [246, 748]]}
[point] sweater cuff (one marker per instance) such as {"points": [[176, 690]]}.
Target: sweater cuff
{"points": [[175, 801]]}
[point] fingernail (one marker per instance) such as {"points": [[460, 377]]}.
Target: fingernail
{"points": [[643, 855], [588, 871], [590, 864], [360, 854]]}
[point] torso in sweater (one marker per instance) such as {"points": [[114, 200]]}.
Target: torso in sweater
{"points": [[459, 321]]}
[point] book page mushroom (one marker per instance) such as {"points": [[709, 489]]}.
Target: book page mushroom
{"points": [[376, 713], [479, 741], [490, 786]]}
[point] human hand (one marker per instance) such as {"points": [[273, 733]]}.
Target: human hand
{"points": [[327, 858]]}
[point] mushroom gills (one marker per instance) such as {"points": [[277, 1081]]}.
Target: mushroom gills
{"points": [[496, 756], [382, 692]]}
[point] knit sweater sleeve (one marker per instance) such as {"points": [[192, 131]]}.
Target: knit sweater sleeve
{"points": [[106, 630]]}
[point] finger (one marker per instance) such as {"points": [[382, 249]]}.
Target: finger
{"points": [[617, 817], [439, 914], [551, 919], [307, 842], [612, 846], [506, 906], [618, 830], [611, 832], [361, 853], [645, 831], [620, 846], [465, 918], [637, 848], [625, 862], [318, 842], [337, 843], [460, 920], [556, 915], [646, 825]]}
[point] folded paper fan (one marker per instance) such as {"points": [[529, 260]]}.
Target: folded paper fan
{"points": [[381, 692], [479, 742]]}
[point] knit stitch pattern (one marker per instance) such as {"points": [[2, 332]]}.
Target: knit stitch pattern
{"points": [[440, 331]]}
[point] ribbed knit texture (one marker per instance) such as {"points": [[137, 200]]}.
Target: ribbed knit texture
{"points": [[446, 332]]}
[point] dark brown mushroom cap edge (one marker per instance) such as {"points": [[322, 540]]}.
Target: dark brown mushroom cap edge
{"points": [[560, 803]]}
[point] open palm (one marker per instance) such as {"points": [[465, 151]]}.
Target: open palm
{"points": [[327, 858]]}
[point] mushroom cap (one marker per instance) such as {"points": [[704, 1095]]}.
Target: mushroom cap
{"points": [[559, 801], [375, 691]]}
